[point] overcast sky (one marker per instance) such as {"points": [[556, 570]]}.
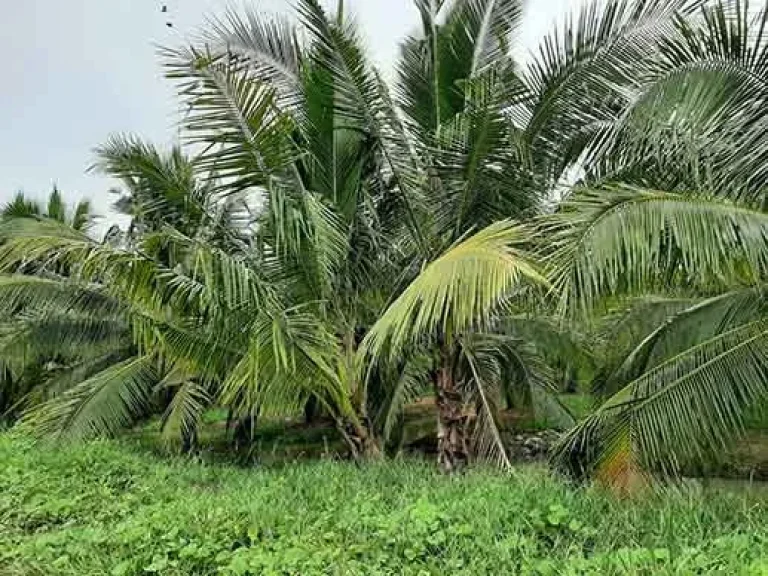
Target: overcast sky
{"points": [[77, 71]]}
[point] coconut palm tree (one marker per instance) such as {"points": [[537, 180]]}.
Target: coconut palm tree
{"points": [[54, 332], [688, 223], [495, 139], [86, 352], [80, 218]]}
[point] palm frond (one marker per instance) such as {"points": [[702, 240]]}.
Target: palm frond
{"points": [[245, 137], [684, 329], [21, 207], [456, 291], [191, 398], [687, 408], [290, 356], [269, 45], [623, 240], [101, 405], [584, 73]]}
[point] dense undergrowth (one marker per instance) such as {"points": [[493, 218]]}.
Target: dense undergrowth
{"points": [[107, 508]]}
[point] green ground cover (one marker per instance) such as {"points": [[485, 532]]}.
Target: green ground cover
{"points": [[110, 508]]}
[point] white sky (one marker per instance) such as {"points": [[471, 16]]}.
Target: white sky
{"points": [[77, 71]]}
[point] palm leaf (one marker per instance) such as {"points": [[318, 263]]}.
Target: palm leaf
{"points": [[687, 408], [457, 291], [101, 405], [674, 238]]}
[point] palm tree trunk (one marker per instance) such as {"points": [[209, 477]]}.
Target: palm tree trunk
{"points": [[452, 420], [243, 434], [359, 437], [311, 411]]}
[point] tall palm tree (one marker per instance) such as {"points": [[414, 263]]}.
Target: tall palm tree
{"points": [[689, 223]]}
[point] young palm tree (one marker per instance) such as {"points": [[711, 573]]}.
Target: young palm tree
{"points": [[495, 138], [689, 222], [87, 352]]}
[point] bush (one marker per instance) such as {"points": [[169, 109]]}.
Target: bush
{"points": [[105, 508]]}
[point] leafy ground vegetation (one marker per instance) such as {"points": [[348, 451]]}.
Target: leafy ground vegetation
{"points": [[108, 508]]}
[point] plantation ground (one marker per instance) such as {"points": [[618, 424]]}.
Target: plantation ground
{"points": [[109, 508]]}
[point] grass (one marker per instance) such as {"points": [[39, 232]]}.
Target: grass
{"points": [[110, 508]]}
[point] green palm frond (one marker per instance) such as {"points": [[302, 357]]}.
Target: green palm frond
{"points": [[390, 388], [88, 362], [484, 175], [190, 400], [82, 217], [689, 326], [688, 407], [270, 46], [48, 335], [459, 40], [362, 103], [697, 119], [245, 136], [290, 356], [214, 278], [100, 405], [21, 207], [484, 386], [161, 186], [21, 291], [585, 71], [57, 209], [457, 291], [625, 240]]}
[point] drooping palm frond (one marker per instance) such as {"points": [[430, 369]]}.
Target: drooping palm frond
{"points": [[456, 291], [484, 384], [586, 71], [57, 379], [688, 407], [191, 397], [391, 387], [213, 277], [625, 240], [19, 291], [697, 119], [288, 358], [101, 405], [680, 331]]}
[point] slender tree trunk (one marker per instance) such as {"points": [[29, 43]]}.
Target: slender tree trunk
{"points": [[243, 434], [311, 411], [189, 442], [452, 420]]}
